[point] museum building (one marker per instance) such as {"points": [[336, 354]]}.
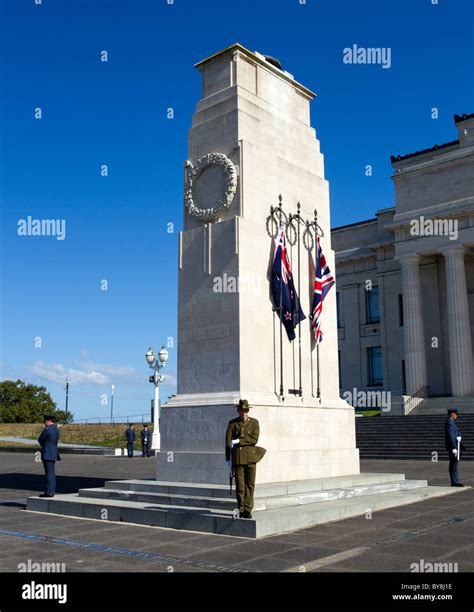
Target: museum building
{"points": [[405, 280]]}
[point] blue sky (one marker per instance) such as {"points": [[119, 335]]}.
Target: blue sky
{"points": [[115, 113]]}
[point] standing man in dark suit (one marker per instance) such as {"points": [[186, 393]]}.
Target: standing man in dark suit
{"points": [[452, 439], [48, 440], [146, 441], [130, 439]]}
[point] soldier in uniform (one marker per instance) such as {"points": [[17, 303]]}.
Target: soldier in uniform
{"points": [[240, 440], [146, 441], [130, 439], [48, 440], [451, 438]]}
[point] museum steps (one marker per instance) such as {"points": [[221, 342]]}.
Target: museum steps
{"points": [[279, 508], [410, 437], [440, 405]]}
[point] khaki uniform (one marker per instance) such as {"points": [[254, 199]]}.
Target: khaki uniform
{"points": [[245, 457]]}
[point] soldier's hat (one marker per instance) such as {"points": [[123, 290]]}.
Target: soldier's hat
{"points": [[49, 417], [455, 410], [243, 403]]}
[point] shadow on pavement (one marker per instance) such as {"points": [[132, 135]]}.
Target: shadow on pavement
{"points": [[36, 482]]}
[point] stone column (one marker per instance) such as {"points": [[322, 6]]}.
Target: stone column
{"points": [[459, 329], [351, 359], [415, 351]]}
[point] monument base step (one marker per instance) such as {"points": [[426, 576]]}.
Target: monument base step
{"points": [[279, 507]]}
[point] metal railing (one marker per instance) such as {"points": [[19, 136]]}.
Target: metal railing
{"points": [[422, 393], [102, 420]]}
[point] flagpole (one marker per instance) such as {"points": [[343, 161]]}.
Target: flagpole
{"points": [[310, 318], [290, 224], [298, 206], [281, 305], [318, 389]]}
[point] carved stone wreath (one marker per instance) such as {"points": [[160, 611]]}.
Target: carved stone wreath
{"points": [[209, 160]]}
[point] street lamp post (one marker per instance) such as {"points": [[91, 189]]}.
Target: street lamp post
{"points": [[112, 405], [67, 392], [156, 363]]}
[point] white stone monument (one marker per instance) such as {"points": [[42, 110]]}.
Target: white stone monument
{"points": [[250, 141]]}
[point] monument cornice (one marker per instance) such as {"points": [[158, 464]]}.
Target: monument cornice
{"points": [[255, 399], [260, 61]]}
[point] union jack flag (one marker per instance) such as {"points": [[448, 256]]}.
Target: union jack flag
{"points": [[323, 282], [283, 293]]}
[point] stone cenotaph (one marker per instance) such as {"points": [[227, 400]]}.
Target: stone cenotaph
{"points": [[251, 140]]}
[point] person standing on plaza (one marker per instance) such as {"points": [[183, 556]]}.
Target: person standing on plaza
{"points": [[48, 440], [146, 441], [452, 439], [242, 455], [130, 437]]}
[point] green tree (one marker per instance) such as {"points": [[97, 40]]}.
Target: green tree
{"points": [[22, 402]]}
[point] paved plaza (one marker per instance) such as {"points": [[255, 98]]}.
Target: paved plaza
{"points": [[440, 530]]}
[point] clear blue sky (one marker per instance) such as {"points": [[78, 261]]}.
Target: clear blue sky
{"points": [[114, 113]]}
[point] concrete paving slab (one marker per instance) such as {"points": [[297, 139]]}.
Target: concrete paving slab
{"points": [[359, 538], [463, 556], [303, 554], [383, 561], [225, 556], [434, 550]]}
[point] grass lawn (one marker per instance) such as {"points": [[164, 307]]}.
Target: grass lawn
{"points": [[93, 434]]}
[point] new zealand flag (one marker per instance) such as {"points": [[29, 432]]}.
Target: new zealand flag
{"points": [[283, 293]]}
